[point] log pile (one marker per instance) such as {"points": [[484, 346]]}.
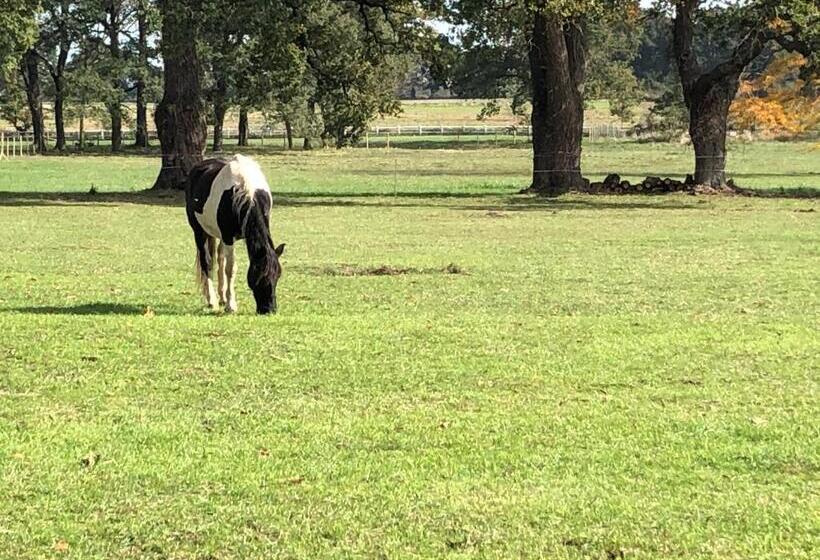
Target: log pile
{"points": [[613, 184]]}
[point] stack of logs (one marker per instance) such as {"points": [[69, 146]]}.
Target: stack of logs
{"points": [[651, 185]]}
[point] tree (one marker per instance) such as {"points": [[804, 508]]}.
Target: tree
{"points": [[614, 39], [84, 86], [145, 16], [180, 114], [18, 30], [709, 90], [776, 100], [13, 102], [357, 52], [59, 31], [29, 68], [226, 28], [537, 48]]}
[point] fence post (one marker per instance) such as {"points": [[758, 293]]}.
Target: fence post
{"points": [[2, 145], [388, 139], [367, 139]]}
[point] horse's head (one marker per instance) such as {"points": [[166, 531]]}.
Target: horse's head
{"points": [[263, 275]]}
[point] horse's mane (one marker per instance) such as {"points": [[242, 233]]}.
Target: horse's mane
{"points": [[248, 178]]}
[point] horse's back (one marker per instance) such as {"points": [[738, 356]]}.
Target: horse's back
{"points": [[200, 180], [220, 191]]}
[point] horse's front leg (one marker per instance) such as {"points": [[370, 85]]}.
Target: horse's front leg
{"points": [[230, 280]]}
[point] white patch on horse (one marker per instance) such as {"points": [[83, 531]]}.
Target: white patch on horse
{"points": [[244, 174]]}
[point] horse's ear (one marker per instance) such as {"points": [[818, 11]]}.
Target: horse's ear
{"points": [[279, 250]]}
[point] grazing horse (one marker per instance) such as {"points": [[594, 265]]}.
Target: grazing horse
{"points": [[226, 201]]}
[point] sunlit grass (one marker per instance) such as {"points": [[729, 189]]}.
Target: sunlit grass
{"points": [[470, 164], [471, 374]]}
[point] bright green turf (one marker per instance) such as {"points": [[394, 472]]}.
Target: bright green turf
{"points": [[427, 164], [608, 376]]}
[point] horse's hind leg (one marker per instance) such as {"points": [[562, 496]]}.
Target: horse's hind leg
{"points": [[205, 252], [230, 280], [223, 284]]}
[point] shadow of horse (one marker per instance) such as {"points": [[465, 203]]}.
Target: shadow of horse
{"points": [[99, 308]]}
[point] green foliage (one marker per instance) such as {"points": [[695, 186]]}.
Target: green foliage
{"points": [[614, 39], [493, 61], [13, 103], [18, 30], [84, 86], [668, 115]]}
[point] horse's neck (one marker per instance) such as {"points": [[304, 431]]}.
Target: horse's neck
{"points": [[255, 229]]}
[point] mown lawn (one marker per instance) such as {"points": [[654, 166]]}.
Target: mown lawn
{"points": [[424, 165], [587, 377]]}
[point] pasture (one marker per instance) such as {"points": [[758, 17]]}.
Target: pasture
{"points": [[455, 370], [448, 112]]}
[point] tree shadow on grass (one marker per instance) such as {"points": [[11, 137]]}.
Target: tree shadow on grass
{"points": [[479, 202], [98, 308], [147, 197], [494, 199]]}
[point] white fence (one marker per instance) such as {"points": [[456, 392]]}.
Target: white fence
{"points": [[17, 144]]}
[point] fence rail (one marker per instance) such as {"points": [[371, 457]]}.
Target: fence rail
{"points": [[15, 144]]}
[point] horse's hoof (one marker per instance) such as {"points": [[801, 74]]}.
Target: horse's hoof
{"points": [[230, 308]]}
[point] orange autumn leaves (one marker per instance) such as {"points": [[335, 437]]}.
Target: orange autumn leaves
{"points": [[774, 102]]}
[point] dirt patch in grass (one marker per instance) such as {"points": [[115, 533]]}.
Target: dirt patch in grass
{"points": [[382, 270]]}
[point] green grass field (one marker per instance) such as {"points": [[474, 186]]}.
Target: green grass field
{"points": [[426, 164], [448, 112], [585, 377]]}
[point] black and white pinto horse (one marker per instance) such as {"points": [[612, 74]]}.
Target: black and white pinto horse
{"points": [[226, 201]]}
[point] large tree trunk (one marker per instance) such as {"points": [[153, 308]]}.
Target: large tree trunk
{"points": [[220, 108], [708, 116], [557, 64], [243, 127], [179, 116], [31, 77], [708, 94], [141, 132]]}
